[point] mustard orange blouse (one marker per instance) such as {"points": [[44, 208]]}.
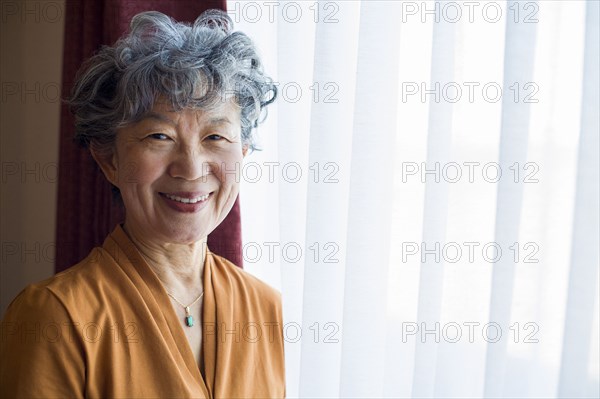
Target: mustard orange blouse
{"points": [[106, 328]]}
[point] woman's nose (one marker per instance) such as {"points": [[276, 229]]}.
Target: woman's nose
{"points": [[190, 165]]}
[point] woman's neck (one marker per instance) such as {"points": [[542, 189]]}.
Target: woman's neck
{"points": [[179, 267]]}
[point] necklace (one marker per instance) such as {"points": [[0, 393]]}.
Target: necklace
{"points": [[189, 320]]}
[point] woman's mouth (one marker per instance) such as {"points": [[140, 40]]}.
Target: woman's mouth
{"points": [[186, 202]]}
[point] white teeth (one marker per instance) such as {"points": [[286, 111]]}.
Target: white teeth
{"points": [[187, 200]]}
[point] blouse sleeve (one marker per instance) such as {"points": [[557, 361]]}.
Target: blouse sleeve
{"points": [[41, 354]]}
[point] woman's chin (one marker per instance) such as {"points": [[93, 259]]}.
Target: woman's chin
{"points": [[184, 235]]}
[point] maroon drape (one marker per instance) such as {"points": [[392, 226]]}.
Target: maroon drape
{"points": [[86, 211]]}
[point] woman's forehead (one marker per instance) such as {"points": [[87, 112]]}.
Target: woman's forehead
{"points": [[222, 112]]}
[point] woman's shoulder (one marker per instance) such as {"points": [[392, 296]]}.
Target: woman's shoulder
{"points": [[245, 283], [43, 325], [67, 290]]}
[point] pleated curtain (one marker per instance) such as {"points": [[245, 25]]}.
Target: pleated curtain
{"points": [[427, 196]]}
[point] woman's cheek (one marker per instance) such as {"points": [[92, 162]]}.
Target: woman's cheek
{"points": [[141, 168], [130, 173], [227, 167], [231, 171]]}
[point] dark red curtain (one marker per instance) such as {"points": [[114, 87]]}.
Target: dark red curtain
{"points": [[86, 210]]}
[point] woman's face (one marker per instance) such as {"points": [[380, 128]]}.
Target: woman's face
{"points": [[177, 171]]}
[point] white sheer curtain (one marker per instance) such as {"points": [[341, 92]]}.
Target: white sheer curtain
{"points": [[427, 195]]}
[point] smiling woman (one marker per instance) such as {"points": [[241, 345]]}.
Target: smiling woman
{"points": [[167, 113], [177, 160]]}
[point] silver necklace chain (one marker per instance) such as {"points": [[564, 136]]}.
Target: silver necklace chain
{"points": [[189, 320]]}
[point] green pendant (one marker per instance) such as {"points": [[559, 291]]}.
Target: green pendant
{"points": [[189, 321]]}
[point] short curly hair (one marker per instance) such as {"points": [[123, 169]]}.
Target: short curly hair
{"points": [[190, 66]]}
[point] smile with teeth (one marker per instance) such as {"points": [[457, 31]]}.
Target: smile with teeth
{"points": [[187, 200]]}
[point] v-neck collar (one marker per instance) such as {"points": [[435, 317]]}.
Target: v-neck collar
{"points": [[159, 304]]}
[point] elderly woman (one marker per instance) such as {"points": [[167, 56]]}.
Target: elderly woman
{"points": [[167, 113]]}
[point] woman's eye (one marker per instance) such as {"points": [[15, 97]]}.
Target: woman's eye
{"points": [[159, 136], [215, 137]]}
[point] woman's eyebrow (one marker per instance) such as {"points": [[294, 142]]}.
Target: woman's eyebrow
{"points": [[166, 119], [218, 121], [160, 117]]}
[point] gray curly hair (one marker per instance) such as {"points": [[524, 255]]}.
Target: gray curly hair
{"points": [[191, 66]]}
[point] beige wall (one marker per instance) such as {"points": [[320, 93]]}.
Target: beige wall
{"points": [[31, 39]]}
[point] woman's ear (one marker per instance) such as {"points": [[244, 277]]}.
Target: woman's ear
{"points": [[244, 150], [107, 160]]}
